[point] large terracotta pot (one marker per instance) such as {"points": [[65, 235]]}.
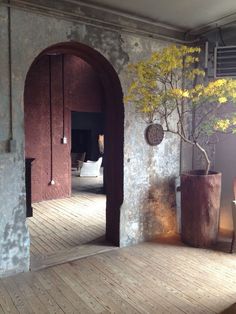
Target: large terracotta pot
{"points": [[200, 207]]}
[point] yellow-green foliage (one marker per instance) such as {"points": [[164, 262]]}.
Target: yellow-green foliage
{"points": [[170, 78]]}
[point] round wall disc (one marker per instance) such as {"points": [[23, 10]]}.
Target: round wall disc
{"points": [[154, 134]]}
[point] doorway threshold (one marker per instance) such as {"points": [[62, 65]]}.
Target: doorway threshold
{"points": [[68, 255]]}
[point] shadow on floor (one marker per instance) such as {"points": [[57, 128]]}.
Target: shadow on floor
{"points": [[93, 185], [224, 241], [94, 247], [230, 310]]}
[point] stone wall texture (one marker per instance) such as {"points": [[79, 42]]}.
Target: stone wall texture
{"points": [[148, 208]]}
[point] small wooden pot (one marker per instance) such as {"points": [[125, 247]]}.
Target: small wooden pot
{"points": [[200, 207]]}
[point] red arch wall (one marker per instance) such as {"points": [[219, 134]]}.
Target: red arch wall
{"points": [[114, 129], [82, 92]]}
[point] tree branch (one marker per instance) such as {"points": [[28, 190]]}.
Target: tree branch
{"points": [[208, 162]]}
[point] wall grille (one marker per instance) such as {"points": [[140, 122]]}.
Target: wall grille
{"points": [[225, 61]]}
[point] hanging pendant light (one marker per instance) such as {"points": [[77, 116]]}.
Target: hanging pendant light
{"points": [[64, 138], [52, 182]]}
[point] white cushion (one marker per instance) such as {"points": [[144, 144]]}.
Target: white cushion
{"points": [[91, 168]]}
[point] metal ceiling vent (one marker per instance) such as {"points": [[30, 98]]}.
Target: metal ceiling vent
{"points": [[225, 61]]}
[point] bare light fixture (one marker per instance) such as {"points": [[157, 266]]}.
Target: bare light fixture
{"points": [[64, 138], [52, 182]]}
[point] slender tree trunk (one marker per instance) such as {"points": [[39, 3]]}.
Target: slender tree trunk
{"points": [[199, 147], [207, 160]]}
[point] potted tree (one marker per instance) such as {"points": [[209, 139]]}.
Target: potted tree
{"points": [[170, 88]]}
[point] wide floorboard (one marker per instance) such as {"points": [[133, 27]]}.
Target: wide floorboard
{"points": [[61, 230], [147, 278], [66, 223]]}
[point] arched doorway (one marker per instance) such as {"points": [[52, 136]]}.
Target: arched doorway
{"points": [[113, 127]]}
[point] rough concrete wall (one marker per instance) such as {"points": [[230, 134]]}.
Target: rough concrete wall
{"points": [[4, 81], [149, 173], [14, 237], [148, 207], [82, 93]]}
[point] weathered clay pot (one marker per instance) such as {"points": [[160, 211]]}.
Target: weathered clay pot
{"points": [[200, 206]]}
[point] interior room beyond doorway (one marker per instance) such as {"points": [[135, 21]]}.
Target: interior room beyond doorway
{"points": [[63, 119]]}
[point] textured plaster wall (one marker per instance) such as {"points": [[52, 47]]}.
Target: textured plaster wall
{"points": [[4, 81], [149, 201], [149, 206], [14, 237]]}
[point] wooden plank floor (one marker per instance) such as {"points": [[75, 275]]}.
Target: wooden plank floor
{"points": [[59, 227], [66, 223], [146, 278]]}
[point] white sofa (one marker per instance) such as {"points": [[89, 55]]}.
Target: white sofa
{"points": [[91, 168]]}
